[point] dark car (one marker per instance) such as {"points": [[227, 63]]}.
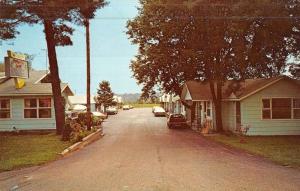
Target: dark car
{"points": [[176, 120]]}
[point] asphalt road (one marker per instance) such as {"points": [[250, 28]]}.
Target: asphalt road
{"points": [[138, 153]]}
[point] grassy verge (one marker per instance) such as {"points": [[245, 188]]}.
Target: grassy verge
{"points": [[143, 105], [284, 150], [18, 151]]}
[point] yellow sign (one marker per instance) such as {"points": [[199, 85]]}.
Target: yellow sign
{"points": [[12, 54], [19, 83]]}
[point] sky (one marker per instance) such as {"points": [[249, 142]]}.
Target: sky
{"points": [[111, 50]]}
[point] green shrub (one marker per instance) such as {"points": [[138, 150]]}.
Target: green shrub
{"points": [[82, 119], [96, 121], [78, 136], [75, 129], [67, 130]]}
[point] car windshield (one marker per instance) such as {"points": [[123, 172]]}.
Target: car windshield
{"points": [[177, 118], [159, 109]]}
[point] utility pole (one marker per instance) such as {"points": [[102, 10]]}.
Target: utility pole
{"points": [[88, 74]]}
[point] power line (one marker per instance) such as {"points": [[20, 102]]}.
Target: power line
{"points": [[209, 17]]}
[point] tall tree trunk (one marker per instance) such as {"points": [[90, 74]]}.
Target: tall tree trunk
{"points": [[217, 100], [88, 74], [219, 122], [55, 80]]}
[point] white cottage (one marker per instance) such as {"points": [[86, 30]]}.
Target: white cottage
{"points": [[171, 103], [81, 100], [267, 106], [31, 107]]}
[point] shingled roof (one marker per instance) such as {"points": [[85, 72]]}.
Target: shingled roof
{"points": [[33, 85], [232, 89]]}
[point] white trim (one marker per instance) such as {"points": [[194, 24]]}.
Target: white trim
{"points": [[201, 100], [298, 108], [245, 96], [271, 112], [37, 108], [48, 72], [231, 99], [67, 86], [33, 94], [188, 96], [259, 89], [19, 95]]}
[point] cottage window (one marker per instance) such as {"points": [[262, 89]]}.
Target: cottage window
{"points": [[30, 109], [296, 108], [266, 110], [4, 109], [281, 108], [45, 108], [208, 109], [37, 108]]}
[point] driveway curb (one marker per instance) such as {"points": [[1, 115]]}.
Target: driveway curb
{"points": [[85, 141]]}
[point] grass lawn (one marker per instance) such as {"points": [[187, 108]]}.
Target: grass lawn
{"points": [[18, 151], [284, 150], [143, 105]]}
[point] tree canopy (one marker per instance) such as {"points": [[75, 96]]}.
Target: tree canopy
{"points": [[187, 40], [213, 41]]}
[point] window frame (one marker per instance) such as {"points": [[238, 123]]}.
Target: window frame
{"points": [[266, 109], [295, 108], [10, 109], [208, 109], [37, 108], [271, 112]]}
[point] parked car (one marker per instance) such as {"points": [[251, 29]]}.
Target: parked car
{"points": [[159, 111], [153, 108], [111, 110], [131, 107], [176, 120], [126, 107], [100, 115], [71, 114]]}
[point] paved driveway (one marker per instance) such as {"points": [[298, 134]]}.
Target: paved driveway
{"points": [[138, 153]]}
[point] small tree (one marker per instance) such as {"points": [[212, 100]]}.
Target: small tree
{"points": [[105, 95]]}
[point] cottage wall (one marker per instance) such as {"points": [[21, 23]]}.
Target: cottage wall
{"points": [[18, 121], [228, 115], [251, 111]]}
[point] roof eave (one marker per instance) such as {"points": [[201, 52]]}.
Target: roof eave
{"points": [[259, 89], [31, 94], [48, 72]]}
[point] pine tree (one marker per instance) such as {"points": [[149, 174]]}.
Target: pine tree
{"points": [[105, 95]]}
